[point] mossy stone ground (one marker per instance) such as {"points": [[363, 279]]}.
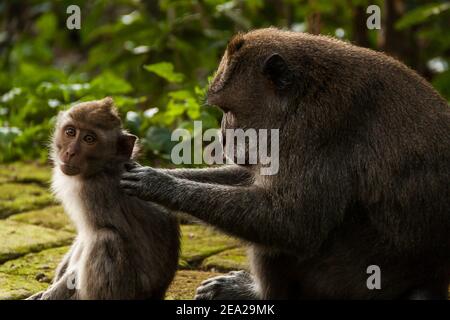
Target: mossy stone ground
{"points": [[234, 259], [52, 217], [35, 233], [19, 197]]}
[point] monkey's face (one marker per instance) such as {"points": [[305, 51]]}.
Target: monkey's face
{"points": [[80, 149], [252, 81], [89, 138], [253, 84]]}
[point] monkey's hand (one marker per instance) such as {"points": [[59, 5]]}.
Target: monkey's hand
{"points": [[36, 296], [235, 285], [145, 182]]}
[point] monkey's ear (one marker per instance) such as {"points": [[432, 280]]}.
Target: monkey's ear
{"points": [[125, 145], [277, 70]]}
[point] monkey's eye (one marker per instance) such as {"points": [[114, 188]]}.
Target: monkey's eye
{"points": [[70, 132], [89, 138]]}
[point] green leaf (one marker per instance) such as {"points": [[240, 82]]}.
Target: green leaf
{"points": [[209, 121], [62, 91], [46, 25], [175, 109], [7, 135], [108, 83], [442, 83], [193, 108], [133, 121], [165, 70], [158, 140], [180, 94], [421, 14]]}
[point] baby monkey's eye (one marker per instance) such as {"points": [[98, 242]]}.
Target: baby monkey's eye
{"points": [[70, 131], [89, 138]]}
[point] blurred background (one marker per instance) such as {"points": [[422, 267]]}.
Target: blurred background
{"points": [[155, 57]]}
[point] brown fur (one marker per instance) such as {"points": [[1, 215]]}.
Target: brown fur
{"points": [[125, 248], [98, 114]]}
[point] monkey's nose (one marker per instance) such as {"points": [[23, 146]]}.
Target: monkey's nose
{"points": [[69, 155]]}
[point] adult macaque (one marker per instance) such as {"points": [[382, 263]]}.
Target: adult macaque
{"points": [[126, 248], [364, 173]]}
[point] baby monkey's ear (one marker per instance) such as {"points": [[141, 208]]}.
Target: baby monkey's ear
{"points": [[125, 145], [277, 70]]}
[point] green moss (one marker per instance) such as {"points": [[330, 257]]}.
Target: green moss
{"points": [[199, 242], [186, 282], [14, 287], [19, 239], [29, 274], [16, 197], [34, 264], [52, 217], [234, 259], [183, 264], [25, 173]]}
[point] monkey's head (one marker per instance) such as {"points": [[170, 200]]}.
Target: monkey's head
{"points": [[89, 138], [256, 83], [269, 76], [253, 80]]}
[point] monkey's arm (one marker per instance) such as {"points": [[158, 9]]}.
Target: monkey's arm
{"points": [[62, 267], [60, 290], [60, 270], [248, 212], [227, 175]]}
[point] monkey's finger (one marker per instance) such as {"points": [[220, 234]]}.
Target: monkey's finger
{"points": [[130, 192], [131, 165], [36, 296], [215, 279], [203, 291], [205, 288], [128, 188], [124, 184], [140, 169], [208, 292], [130, 176], [206, 296], [207, 282]]}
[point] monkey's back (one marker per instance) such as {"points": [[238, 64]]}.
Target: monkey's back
{"points": [[154, 245], [385, 124], [371, 139]]}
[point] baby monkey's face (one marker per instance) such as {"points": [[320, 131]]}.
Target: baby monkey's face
{"points": [[81, 149], [89, 138]]}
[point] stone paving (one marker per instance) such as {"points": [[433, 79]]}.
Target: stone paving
{"points": [[35, 233]]}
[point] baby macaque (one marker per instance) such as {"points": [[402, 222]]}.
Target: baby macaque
{"points": [[126, 248]]}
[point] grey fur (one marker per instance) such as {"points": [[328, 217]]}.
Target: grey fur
{"points": [[364, 172]]}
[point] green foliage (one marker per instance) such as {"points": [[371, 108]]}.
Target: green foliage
{"points": [[165, 70], [421, 14], [153, 57]]}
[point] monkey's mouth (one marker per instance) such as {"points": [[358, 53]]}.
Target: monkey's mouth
{"points": [[69, 170]]}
